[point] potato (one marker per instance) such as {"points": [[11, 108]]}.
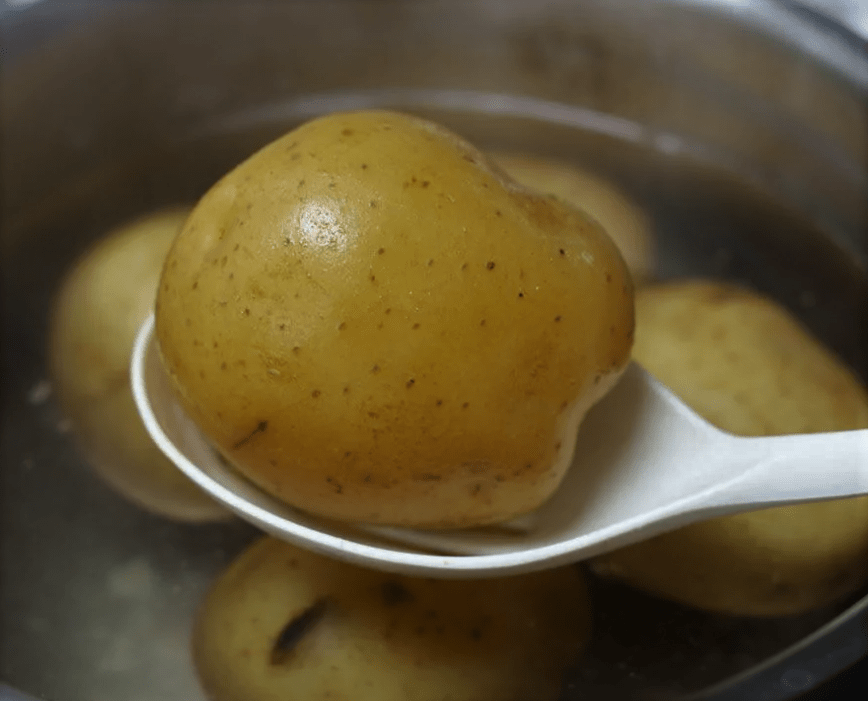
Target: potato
{"points": [[283, 623], [747, 366], [373, 325], [627, 224], [100, 306]]}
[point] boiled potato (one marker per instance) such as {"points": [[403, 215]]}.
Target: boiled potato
{"points": [[283, 624], [743, 363], [627, 224], [373, 325], [99, 309]]}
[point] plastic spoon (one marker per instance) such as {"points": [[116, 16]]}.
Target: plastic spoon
{"points": [[644, 463]]}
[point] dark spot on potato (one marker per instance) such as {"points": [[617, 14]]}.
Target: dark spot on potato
{"points": [[475, 489], [476, 634], [521, 295], [201, 374], [415, 326], [364, 166], [608, 277], [246, 311], [395, 593], [381, 251], [261, 427], [464, 266], [342, 326], [425, 183], [465, 405], [223, 365], [558, 445], [373, 278], [272, 462], [562, 251], [293, 632], [388, 310], [296, 350], [597, 379], [430, 262], [214, 344], [238, 245], [366, 478], [373, 415], [196, 284], [337, 486], [347, 132], [301, 183], [347, 389], [482, 323], [497, 213], [470, 159], [231, 276], [375, 369], [331, 186], [439, 402], [223, 261], [316, 393], [282, 327], [490, 265], [373, 204], [410, 383], [295, 156], [558, 318]]}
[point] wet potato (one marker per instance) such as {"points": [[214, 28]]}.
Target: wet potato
{"points": [[101, 304], [743, 363], [283, 624], [374, 324]]}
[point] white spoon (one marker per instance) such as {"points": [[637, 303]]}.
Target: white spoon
{"points": [[644, 464]]}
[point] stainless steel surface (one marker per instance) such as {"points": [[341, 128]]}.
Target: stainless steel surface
{"points": [[740, 125]]}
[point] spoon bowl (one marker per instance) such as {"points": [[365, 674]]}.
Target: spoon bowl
{"points": [[644, 463]]}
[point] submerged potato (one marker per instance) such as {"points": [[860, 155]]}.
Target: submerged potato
{"points": [[623, 219], [283, 624], [748, 367], [99, 309], [373, 325]]}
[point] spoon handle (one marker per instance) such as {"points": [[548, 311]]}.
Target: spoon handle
{"points": [[791, 469]]}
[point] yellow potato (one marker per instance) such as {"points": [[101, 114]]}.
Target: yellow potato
{"points": [[283, 624], [99, 309], [748, 367], [627, 224], [373, 325]]}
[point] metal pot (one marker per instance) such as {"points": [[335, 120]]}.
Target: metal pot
{"points": [[742, 127]]}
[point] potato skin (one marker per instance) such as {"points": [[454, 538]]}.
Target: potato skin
{"points": [[282, 624], [100, 306], [373, 325], [624, 220], [743, 363]]}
